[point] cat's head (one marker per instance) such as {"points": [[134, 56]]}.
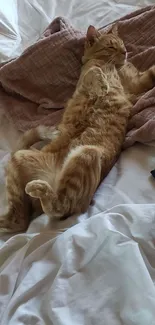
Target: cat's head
{"points": [[105, 46]]}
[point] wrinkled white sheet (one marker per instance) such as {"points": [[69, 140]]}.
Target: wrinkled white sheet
{"points": [[98, 272], [23, 21], [101, 271]]}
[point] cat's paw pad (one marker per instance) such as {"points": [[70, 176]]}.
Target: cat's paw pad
{"points": [[37, 189]]}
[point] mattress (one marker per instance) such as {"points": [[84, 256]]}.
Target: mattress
{"points": [[97, 268]]}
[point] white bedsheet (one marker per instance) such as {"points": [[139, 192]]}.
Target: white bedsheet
{"points": [[102, 270], [98, 272], [23, 21]]}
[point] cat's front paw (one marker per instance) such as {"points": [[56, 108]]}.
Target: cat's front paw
{"points": [[152, 73], [38, 189]]}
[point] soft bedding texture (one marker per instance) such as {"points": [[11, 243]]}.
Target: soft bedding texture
{"points": [[23, 22], [45, 75], [102, 270]]}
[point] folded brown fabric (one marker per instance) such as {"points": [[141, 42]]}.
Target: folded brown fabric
{"points": [[35, 86], [138, 33]]}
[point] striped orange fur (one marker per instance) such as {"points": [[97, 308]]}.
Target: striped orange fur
{"points": [[61, 179]]}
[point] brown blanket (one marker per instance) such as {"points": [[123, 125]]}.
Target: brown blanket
{"points": [[35, 86]]}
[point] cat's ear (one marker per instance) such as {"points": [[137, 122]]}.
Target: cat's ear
{"points": [[92, 34], [113, 30]]}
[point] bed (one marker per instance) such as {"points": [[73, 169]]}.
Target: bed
{"points": [[98, 268]]}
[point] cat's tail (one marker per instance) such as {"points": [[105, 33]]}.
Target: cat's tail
{"points": [[12, 140], [35, 135]]}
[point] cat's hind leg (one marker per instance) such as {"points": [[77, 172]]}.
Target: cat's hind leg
{"points": [[77, 183], [21, 169], [16, 217]]}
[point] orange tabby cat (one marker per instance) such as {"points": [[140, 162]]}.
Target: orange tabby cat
{"points": [[64, 175]]}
